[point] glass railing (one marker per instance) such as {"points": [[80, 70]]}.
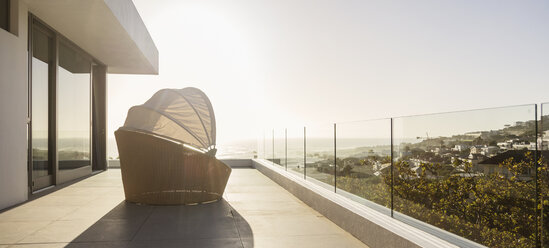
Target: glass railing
{"points": [[364, 160], [479, 174], [543, 176], [470, 173], [279, 147], [261, 145], [296, 150], [269, 145], [320, 154]]}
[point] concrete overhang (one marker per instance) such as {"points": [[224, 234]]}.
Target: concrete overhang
{"points": [[110, 30]]}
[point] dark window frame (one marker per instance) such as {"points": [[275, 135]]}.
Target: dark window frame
{"points": [[8, 16], [76, 163], [41, 182]]}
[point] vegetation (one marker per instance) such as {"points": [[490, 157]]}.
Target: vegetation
{"points": [[492, 210], [454, 183]]}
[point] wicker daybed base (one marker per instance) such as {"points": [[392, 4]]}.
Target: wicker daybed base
{"points": [[160, 171]]}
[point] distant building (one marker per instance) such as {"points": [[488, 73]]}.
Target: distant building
{"points": [[378, 166], [460, 148], [474, 134], [475, 158], [440, 150], [506, 144], [384, 169], [520, 123], [543, 142], [524, 145], [491, 165], [489, 151], [476, 149]]}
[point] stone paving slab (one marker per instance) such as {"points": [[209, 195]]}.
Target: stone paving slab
{"points": [[254, 212]]}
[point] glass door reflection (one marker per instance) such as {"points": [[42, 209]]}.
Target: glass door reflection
{"points": [[74, 112], [41, 81]]}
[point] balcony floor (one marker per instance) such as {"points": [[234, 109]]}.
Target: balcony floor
{"points": [[254, 212]]}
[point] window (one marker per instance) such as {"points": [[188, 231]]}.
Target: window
{"points": [[41, 80], [62, 80], [74, 104], [5, 14]]}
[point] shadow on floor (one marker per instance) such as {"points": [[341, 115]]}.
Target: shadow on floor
{"points": [[131, 225]]}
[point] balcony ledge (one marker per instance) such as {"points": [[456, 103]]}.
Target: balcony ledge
{"points": [[369, 222]]}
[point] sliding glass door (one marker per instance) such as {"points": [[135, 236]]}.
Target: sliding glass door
{"points": [[74, 112], [60, 133], [42, 83]]}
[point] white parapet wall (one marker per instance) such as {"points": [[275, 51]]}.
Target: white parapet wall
{"points": [[238, 163], [374, 228]]}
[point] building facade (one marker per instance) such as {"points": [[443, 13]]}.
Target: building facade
{"points": [[54, 60]]}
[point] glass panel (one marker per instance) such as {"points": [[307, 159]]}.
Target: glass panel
{"points": [[320, 154], [237, 149], [74, 109], [295, 150], [470, 173], [4, 14], [543, 175], [364, 161], [261, 145], [41, 61], [279, 147], [269, 155]]}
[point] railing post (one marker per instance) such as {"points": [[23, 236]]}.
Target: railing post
{"points": [[392, 172], [286, 148], [536, 165], [541, 227], [273, 146], [305, 153], [335, 160]]}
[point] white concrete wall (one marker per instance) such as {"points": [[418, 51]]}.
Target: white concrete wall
{"points": [[13, 112], [130, 19], [14, 72]]}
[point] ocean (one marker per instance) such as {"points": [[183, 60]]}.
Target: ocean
{"points": [[236, 149], [246, 149]]}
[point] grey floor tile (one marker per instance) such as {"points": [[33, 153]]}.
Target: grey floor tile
{"points": [[12, 232], [129, 211], [314, 241], [111, 230], [198, 243], [44, 245], [205, 212], [255, 212], [188, 229], [98, 245]]}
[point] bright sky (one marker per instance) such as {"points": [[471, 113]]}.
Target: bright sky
{"points": [[294, 62]]}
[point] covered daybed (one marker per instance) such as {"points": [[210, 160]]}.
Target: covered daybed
{"points": [[167, 150]]}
